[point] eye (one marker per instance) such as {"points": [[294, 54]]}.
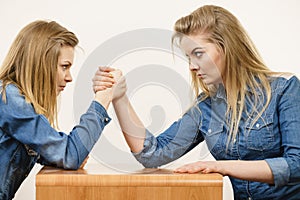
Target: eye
{"points": [[198, 54], [65, 67]]}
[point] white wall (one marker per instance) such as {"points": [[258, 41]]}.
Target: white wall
{"points": [[273, 25]]}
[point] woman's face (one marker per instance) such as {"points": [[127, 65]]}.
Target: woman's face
{"points": [[205, 59], [65, 61]]}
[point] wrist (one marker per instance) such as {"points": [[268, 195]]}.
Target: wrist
{"points": [[103, 97], [121, 99], [221, 168]]}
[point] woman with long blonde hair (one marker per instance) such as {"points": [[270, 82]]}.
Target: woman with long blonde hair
{"points": [[247, 114], [35, 70]]}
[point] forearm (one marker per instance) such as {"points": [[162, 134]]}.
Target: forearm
{"points": [[67, 151], [247, 170], [84, 135], [132, 127]]}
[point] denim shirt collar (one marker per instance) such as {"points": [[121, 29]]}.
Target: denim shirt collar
{"points": [[221, 92]]}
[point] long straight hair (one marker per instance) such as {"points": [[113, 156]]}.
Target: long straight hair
{"points": [[31, 65], [244, 68]]}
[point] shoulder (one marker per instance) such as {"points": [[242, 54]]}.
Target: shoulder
{"points": [[285, 83], [13, 94], [15, 100], [283, 76], [284, 79], [12, 90]]}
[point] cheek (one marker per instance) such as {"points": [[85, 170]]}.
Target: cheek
{"points": [[220, 64], [215, 63], [59, 76], [207, 63]]}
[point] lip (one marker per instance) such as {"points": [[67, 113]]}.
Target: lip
{"points": [[200, 75], [61, 88]]}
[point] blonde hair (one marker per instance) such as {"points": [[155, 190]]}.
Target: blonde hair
{"points": [[244, 67], [31, 64]]}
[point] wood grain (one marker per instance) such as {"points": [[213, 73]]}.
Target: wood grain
{"points": [[95, 183]]}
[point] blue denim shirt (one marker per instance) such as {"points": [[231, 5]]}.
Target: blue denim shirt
{"points": [[274, 137], [27, 137]]}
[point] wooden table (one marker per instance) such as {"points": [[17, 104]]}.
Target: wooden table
{"points": [[97, 181]]}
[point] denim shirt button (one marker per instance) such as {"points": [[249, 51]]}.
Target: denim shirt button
{"points": [[209, 130], [106, 119], [257, 125]]}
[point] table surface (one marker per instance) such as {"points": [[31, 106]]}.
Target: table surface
{"points": [[97, 174], [99, 181]]}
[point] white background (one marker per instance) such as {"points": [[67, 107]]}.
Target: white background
{"points": [[273, 25]]}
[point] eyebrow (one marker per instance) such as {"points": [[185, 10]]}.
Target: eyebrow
{"points": [[197, 48], [66, 62]]}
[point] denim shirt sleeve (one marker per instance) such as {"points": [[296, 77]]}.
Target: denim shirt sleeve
{"points": [[68, 151], [178, 139], [285, 169]]}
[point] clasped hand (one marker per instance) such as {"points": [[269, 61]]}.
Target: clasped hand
{"points": [[110, 79]]}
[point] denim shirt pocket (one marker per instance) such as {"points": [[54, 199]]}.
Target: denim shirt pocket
{"points": [[214, 137], [259, 135]]}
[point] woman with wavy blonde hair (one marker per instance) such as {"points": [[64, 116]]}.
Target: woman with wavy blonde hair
{"points": [[247, 114], [35, 70]]}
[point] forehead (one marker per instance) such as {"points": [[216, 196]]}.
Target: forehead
{"points": [[190, 42], [66, 53]]}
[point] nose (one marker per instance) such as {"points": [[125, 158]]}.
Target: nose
{"points": [[193, 66], [68, 77]]}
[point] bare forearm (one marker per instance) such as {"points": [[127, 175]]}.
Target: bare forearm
{"points": [[247, 170], [132, 127]]}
